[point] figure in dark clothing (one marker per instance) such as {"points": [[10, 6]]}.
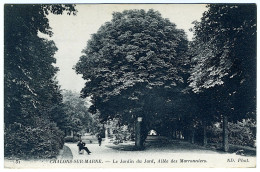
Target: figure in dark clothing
{"points": [[99, 140], [81, 146]]}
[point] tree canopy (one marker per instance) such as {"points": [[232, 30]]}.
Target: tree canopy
{"points": [[128, 62], [224, 58], [30, 86], [77, 116]]}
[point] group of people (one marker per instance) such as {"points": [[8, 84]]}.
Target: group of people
{"points": [[82, 145]]}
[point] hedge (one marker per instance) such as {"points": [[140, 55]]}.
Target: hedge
{"points": [[41, 141]]}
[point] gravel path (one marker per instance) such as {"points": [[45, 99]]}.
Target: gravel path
{"points": [[172, 154]]}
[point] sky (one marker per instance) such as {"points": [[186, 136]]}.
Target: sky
{"points": [[71, 33]]}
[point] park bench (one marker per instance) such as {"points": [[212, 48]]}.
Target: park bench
{"points": [[81, 151]]}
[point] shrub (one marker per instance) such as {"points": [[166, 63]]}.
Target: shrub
{"points": [[41, 141], [239, 133]]}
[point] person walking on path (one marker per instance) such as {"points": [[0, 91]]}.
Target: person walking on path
{"points": [[99, 140], [81, 146]]}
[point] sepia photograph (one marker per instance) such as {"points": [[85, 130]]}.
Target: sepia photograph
{"points": [[129, 85]]}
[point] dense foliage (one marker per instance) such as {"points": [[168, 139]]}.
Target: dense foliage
{"points": [[224, 58], [32, 97], [43, 139], [130, 65], [79, 120]]}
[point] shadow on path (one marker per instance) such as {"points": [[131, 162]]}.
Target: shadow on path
{"points": [[164, 145], [181, 146]]}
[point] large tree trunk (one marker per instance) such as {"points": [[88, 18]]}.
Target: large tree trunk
{"points": [[225, 133], [205, 139]]}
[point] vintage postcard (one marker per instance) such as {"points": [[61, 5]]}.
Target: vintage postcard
{"points": [[165, 85]]}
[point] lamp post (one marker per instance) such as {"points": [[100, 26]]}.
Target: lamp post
{"points": [[138, 142]]}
